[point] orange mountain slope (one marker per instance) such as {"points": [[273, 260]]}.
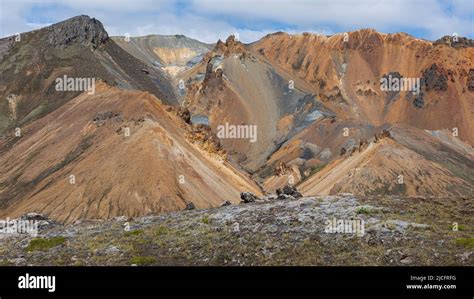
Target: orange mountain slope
{"points": [[78, 162]]}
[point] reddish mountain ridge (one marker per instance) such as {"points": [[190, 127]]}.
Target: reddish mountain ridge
{"points": [[345, 71], [117, 150], [145, 142], [337, 105]]}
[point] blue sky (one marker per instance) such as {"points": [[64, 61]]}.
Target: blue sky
{"points": [[209, 20]]}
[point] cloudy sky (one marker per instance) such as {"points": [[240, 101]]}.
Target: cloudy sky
{"points": [[209, 20]]}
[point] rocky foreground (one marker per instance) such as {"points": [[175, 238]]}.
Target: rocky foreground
{"points": [[284, 229]]}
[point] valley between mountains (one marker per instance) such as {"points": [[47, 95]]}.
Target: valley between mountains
{"points": [[133, 168]]}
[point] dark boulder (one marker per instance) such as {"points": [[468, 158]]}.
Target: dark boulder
{"points": [[247, 197], [190, 206], [33, 216], [226, 203], [288, 190], [42, 222]]}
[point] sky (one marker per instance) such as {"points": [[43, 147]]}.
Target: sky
{"points": [[210, 20]]}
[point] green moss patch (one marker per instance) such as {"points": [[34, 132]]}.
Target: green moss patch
{"points": [[364, 210], [136, 232], [42, 244], [466, 242]]}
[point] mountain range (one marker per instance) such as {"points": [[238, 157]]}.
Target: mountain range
{"points": [[147, 138]]}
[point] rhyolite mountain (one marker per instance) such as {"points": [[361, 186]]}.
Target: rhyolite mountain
{"points": [[171, 53], [319, 107], [125, 150], [145, 143], [78, 48]]}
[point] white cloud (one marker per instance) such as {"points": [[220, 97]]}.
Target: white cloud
{"points": [[383, 15], [209, 20]]}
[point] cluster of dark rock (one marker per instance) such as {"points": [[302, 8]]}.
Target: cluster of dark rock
{"points": [[417, 99], [455, 41], [364, 143], [351, 149], [434, 78], [288, 192], [470, 80], [40, 222], [285, 193], [100, 118], [366, 92], [334, 95], [247, 197], [385, 133]]}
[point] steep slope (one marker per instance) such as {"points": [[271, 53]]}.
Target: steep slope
{"points": [[114, 153], [171, 53], [232, 86], [345, 72], [408, 164], [303, 110], [324, 140], [336, 107], [78, 48]]}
